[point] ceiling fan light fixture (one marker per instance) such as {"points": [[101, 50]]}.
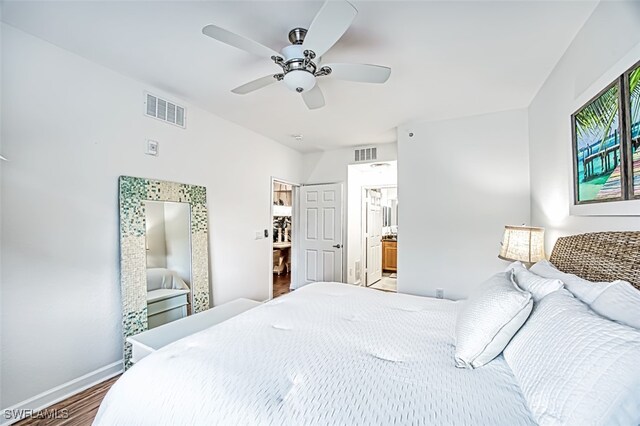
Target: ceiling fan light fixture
{"points": [[299, 80]]}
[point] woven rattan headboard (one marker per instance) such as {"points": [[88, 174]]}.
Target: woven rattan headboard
{"points": [[600, 256]]}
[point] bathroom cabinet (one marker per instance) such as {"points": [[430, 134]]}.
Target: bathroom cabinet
{"points": [[389, 255]]}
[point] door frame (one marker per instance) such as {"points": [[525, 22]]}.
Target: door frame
{"points": [[295, 211], [363, 227]]}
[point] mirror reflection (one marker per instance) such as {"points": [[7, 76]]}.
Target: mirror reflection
{"points": [[389, 204], [168, 247]]}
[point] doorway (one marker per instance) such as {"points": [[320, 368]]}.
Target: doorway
{"points": [[282, 243], [372, 216], [380, 231]]}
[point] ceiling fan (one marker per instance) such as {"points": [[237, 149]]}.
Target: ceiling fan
{"points": [[297, 60]]}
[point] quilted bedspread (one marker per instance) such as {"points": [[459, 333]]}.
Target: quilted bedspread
{"points": [[326, 354]]}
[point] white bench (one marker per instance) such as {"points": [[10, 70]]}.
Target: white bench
{"points": [[150, 341]]}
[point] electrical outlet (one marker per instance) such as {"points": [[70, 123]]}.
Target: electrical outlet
{"points": [[440, 293], [152, 148]]}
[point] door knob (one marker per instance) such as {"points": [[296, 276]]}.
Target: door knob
{"points": [[337, 246]]}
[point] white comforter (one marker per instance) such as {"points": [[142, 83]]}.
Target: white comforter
{"points": [[325, 354]]}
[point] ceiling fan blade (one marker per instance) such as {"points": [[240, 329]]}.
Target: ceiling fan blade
{"points": [[255, 85], [331, 22], [313, 98], [238, 41], [364, 73]]}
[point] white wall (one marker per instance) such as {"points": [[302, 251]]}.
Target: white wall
{"points": [[331, 166], [71, 128], [606, 46], [360, 176], [459, 181]]}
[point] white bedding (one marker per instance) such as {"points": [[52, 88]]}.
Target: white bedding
{"points": [[327, 353], [162, 278]]}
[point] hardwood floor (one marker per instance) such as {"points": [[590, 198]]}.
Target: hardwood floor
{"points": [[78, 410], [281, 284]]}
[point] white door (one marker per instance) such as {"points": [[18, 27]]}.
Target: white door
{"points": [[374, 236], [320, 239]]}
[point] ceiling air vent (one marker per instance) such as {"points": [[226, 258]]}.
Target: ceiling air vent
{"points": [[164, 110], [366, 154]]}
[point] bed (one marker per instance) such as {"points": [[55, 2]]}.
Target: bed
{"points": [[331, 353]]}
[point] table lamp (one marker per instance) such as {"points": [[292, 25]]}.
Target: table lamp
{"points": [[523, 243]]}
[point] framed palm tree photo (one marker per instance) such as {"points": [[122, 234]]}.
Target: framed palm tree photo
{"points": [[632, 106], [597, 151], [606, 143]]}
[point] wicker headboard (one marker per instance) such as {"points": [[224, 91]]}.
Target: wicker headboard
{"points": [[600, 256]]}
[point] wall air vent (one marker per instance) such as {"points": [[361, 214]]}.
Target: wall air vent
{"points": [[164, 110], [365, 154]]}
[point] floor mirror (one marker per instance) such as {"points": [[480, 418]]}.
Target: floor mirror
{"points": [[164, 260]]}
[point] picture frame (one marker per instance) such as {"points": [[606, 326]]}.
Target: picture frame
{"points": [[605, 143]]}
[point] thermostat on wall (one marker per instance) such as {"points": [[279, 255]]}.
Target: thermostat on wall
{"points": [[152, 147]]}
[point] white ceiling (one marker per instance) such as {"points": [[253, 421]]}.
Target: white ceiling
{"points": [[448, 59]]}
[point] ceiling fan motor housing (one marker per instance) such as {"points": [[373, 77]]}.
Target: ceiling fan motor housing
{"points": [[299, 68], [293, 51]]}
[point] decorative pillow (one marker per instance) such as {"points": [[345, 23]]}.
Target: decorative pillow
{"points": [[585, 290], [617, 300], [490, 317], [575, 367], [538, 286]]}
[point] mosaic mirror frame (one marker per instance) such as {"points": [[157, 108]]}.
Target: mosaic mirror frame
{"points": [[133, 193]]}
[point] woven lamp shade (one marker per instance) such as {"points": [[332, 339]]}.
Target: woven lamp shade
{"points": [[523, 243]]}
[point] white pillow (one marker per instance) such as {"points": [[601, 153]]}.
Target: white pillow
{"points": [[585, 290], [538, 286], [515, 265], [490, 317], [617, 300], [575, 367]]}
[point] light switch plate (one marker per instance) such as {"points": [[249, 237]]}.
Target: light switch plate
{"points": [[152, 148]]}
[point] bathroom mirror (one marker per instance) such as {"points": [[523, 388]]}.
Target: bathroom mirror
{"points": [[389, 203], [164, 260]]}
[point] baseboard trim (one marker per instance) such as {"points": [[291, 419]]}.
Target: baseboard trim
{"points": [[59, 393]]}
